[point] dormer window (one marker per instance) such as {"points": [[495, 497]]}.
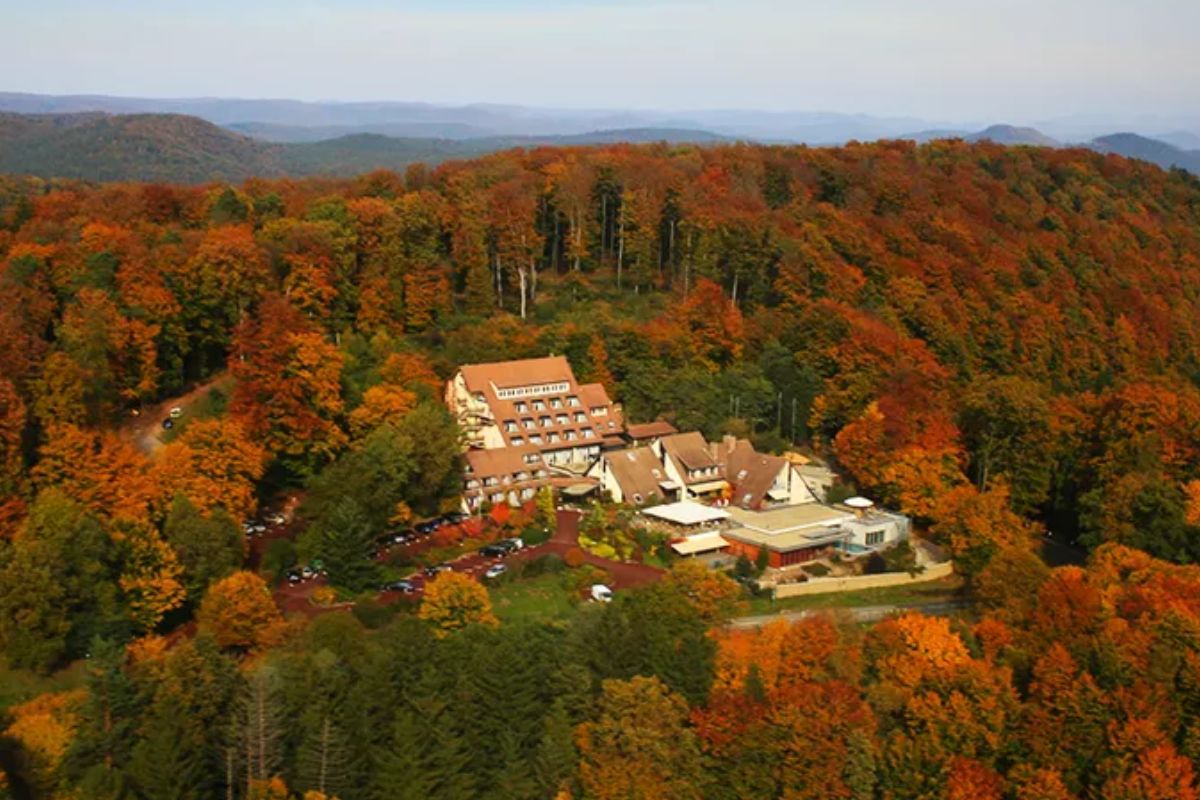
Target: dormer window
{"points": [[521, 408], [556, 402], [573, 401], [538, 405], [517, 441], [580, 416]]}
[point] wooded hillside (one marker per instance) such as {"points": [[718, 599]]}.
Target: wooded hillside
{"points": [[999, 342]]}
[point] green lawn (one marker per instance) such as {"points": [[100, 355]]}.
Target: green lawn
{"points": [[931, 592], [19, 685], [542, 599]]}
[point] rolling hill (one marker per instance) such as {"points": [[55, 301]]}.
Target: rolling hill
{"points": [[182, 149], [177, 148], [1157, 152], [1013, 135], [146, 147]]}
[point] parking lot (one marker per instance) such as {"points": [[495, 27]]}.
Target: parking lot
{"points": [[295, 598]]}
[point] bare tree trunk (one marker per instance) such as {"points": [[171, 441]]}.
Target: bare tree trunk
{"points": [[554, 242], [687, 266], [249, 753], [521, 276], [577, 230], [603, 225], [735, 288], [620, 250], [260, 708], [671, 246], [499, 283], [229, 773], [321, 775]]}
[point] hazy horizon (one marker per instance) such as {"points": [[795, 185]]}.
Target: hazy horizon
{"points": [[937, 60]]}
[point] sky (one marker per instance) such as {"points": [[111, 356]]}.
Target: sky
{"points": [[1020, 60]]}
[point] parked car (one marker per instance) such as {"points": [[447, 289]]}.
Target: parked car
{"points": [[496, 550], [426, 528], [258, 528], [601, 593], [307, 572], [294, 576], [495, 571], [275, 519], [168, 423], [175, 413], [437, 568], [456, 517], [402, 586], [511, 545], [403, 537]]}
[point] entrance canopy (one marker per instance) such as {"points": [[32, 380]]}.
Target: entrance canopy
{"points": [[686, 512], [700, 543]]}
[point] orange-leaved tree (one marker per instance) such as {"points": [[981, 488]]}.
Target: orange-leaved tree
{"points": [[288, 388], [239, 613], [214, 464], [102, 471]]}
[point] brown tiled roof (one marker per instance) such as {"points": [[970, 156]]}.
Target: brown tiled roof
{"points": [[638, 472], [650, 430], [690, 450], [552, 369], [751, 473], [593, 394], [501, 461]]}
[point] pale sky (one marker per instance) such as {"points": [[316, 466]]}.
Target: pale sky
{"points": [[940, 59]]}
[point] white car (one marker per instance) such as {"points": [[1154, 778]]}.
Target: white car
{"points": [[175, 413], [495, 571], [601, 593]]}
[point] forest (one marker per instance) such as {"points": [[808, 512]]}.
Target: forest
{"points": [[1003, 343]]}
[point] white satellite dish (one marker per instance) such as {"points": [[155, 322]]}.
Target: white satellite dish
{"points": [[858, 502]]}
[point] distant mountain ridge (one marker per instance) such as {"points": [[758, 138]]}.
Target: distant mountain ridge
{"points": [[185, 149]]}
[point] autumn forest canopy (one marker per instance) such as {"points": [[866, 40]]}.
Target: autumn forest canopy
{"points": [[999, 342]]}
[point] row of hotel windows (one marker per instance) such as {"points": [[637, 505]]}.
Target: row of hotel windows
{"points": [[552, 437], [540, 405], [527, 391], [561, 419], [492, 480]]}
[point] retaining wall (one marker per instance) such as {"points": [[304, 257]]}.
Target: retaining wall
{"points": [[932, 572]]}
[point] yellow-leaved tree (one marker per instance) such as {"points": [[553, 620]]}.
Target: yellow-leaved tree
{"points": [[454, 601]]}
